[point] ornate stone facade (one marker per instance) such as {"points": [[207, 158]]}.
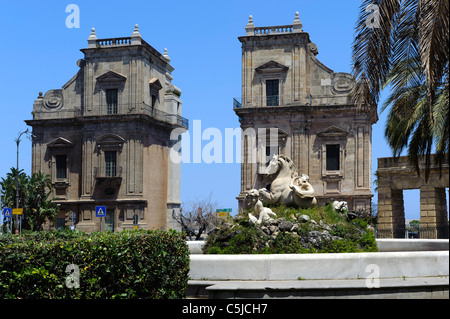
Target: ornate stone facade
{"points": [[285, 86], [104, 138]]}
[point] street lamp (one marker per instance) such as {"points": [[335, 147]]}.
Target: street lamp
{"points": [[17, 140]]}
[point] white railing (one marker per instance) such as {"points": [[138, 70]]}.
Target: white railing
{"points": [[279, 29]]}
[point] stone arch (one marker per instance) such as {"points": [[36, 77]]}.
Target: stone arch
{"points": [[395, 174]]}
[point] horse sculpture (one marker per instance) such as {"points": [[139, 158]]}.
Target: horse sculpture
{"points": [[287, 187]]}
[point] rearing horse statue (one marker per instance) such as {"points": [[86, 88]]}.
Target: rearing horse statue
{"points": [[287, 187]]}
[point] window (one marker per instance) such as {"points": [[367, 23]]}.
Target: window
{"points": [[110, 163], [332, 151], [61, 166], [154, 99], [272, 92], [111, 101]]}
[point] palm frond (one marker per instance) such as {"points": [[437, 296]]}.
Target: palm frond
{"points": [[433, 43], [372, 50]]}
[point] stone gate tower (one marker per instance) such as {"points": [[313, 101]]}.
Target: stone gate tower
{"points": [[285, 86], [104, 137]]}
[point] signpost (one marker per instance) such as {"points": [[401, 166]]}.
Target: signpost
{"points": [[18, 212], [100, 211], [135, 221], [72, 218], [224, 212], [7, 212]]}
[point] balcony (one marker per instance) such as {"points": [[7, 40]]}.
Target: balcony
{"points": [[264, 101], [136, 108], [257, 101], [159, 115], [111, 176], [236, 104]]}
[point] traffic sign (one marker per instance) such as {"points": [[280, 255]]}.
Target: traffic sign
{"points": [[228, 210], [100, 211], [7, 212], [224, 212], [17, 211]]}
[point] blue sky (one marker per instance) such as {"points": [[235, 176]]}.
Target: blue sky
{"points": [[38, 53]]}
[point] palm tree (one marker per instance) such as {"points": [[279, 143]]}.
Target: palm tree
{"points": [[8, 186], [38, 206], [34, 197], [408, 51]]}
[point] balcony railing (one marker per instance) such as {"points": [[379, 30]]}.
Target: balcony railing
{"points": [[110, 172], [111, 176], [166, 117], [289, 100], [123, 41], [113, 42], [279, 29], [136, 108], [236, 104]]}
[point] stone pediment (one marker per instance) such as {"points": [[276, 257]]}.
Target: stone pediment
{"points": [[155, 84], [111, 76], [272, 67], [60, 142], [110, 141], [333, 131]]}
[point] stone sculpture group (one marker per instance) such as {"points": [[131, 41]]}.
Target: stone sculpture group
{"points": [[287, 188]]}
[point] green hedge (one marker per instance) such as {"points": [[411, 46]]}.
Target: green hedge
{"points": [[129, 264]]}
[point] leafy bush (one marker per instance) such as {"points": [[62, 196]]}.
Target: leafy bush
{"points": [[314, 230], [129, 264]]}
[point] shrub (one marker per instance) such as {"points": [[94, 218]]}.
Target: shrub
{"points": [[129, 264], [326, 231]]}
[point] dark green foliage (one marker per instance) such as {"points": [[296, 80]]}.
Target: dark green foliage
{"points": [[326, 231], [129, 264], [34, 198]]}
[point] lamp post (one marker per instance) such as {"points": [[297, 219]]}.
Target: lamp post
{"points": [[17, 140]]}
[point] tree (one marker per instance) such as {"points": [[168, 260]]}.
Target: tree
{"points": [[407, 50], [9, 186], [37, 203], [34, 198], [197, 217]]}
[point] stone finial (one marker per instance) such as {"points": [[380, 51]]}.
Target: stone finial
{"points": [[136, 36], [136, 31], [297, 24], [165, 55], [92, 40], [250, 27]]}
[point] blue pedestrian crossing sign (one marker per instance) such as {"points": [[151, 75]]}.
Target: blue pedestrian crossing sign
{"points": [[100, 211], [7, 212]]}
